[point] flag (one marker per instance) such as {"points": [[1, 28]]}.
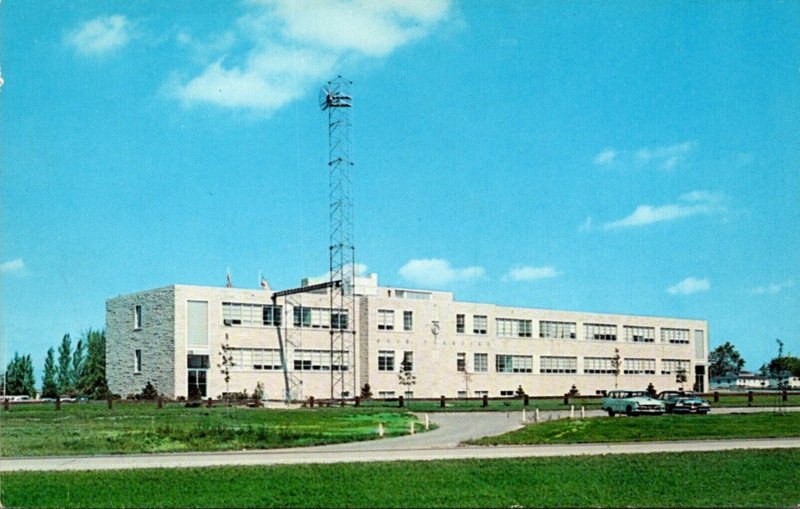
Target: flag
{"points": [[264, 284], [228, 278]]}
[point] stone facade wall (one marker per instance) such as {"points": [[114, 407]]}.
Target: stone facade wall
{"points": [[362, 304], [155, 338]]}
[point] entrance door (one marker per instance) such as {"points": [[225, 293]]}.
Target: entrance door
{"points": [[198, 375], [699, 378]]}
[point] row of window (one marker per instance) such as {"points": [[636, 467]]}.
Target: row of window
{"points": [[548, 329], [237, 313], [510, 363], [386, 320]]}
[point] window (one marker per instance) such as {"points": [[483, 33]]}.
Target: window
{"points": [[137, 361], [507, 393], [408, 394], [558, 364], [385, 360], [639, 334], [600, 332], [339, 319], [675, 336], [513, 328], [137, 317], [412, 295], [674, 366], [461, 361], [408, 361], [479, 324], [480, 362], [460, 324], [320, 360], [598, 365], [385, 319], [699, 345], [253, 315], [385, 394], [639, 367], [513, 363], [247, 359], [198, 362], [480, 394], [557, 330], [462, 394], [408, 320], [319, 318], [197, 323]]}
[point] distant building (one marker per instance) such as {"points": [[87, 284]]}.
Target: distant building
{"points": [[173, 337], [746, 380]]}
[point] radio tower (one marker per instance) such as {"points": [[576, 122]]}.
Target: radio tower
{"points": [[335, 98]]}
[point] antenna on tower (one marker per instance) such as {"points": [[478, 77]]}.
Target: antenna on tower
{"points": [[336, 99]]}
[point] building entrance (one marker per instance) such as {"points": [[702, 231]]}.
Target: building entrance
{"points": [[699, 378], [198, 371]]}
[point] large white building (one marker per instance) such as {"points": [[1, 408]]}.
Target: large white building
{"points": [[174, 337]]}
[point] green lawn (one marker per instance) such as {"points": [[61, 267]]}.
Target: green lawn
{"points": [[768, 478], [90, 428], [655, 428]]}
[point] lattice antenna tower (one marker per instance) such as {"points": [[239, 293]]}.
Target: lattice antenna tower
{"points": [[335, 98]]}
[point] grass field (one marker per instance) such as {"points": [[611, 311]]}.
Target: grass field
{"points": [[90, 428], [666, 427], [720, 479]]}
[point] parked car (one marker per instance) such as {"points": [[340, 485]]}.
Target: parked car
{"points": [[684, 402], [632, 403]]}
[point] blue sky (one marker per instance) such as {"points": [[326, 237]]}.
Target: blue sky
{"points": [[626, 157]]}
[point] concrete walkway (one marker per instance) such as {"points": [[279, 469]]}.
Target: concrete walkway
{"points": [[442, 443]]}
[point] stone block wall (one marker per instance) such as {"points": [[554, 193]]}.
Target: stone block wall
{"points": [[155, 338]]}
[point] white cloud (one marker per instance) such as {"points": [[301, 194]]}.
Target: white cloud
{"points": [[101, 35], [530, 273], [666, 157], [296, 45], [773, 288], [689, 286], [586, 226], [360, 271], [13, 267], [605, 157], [689, 204], [435, 272]]}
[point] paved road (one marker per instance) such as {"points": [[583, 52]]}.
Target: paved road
{"points": [[442, 443]]}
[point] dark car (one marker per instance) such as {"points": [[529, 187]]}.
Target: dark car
{"points": [[679, 402]]}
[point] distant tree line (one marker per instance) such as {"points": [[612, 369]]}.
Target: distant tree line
{"points": [[726, 359], [77, 372]]}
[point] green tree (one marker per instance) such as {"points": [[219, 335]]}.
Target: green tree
{"points": [[49, 386], [724, 359], [64, 378], [78, 361], [92, 382], [789, 365], [19, 376]]}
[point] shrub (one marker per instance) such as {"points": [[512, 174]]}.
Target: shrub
{"points": [[366, 392], [149, 392]]}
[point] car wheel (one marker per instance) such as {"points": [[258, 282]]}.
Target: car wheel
{"points": [[611, 413], [628, 410]]}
